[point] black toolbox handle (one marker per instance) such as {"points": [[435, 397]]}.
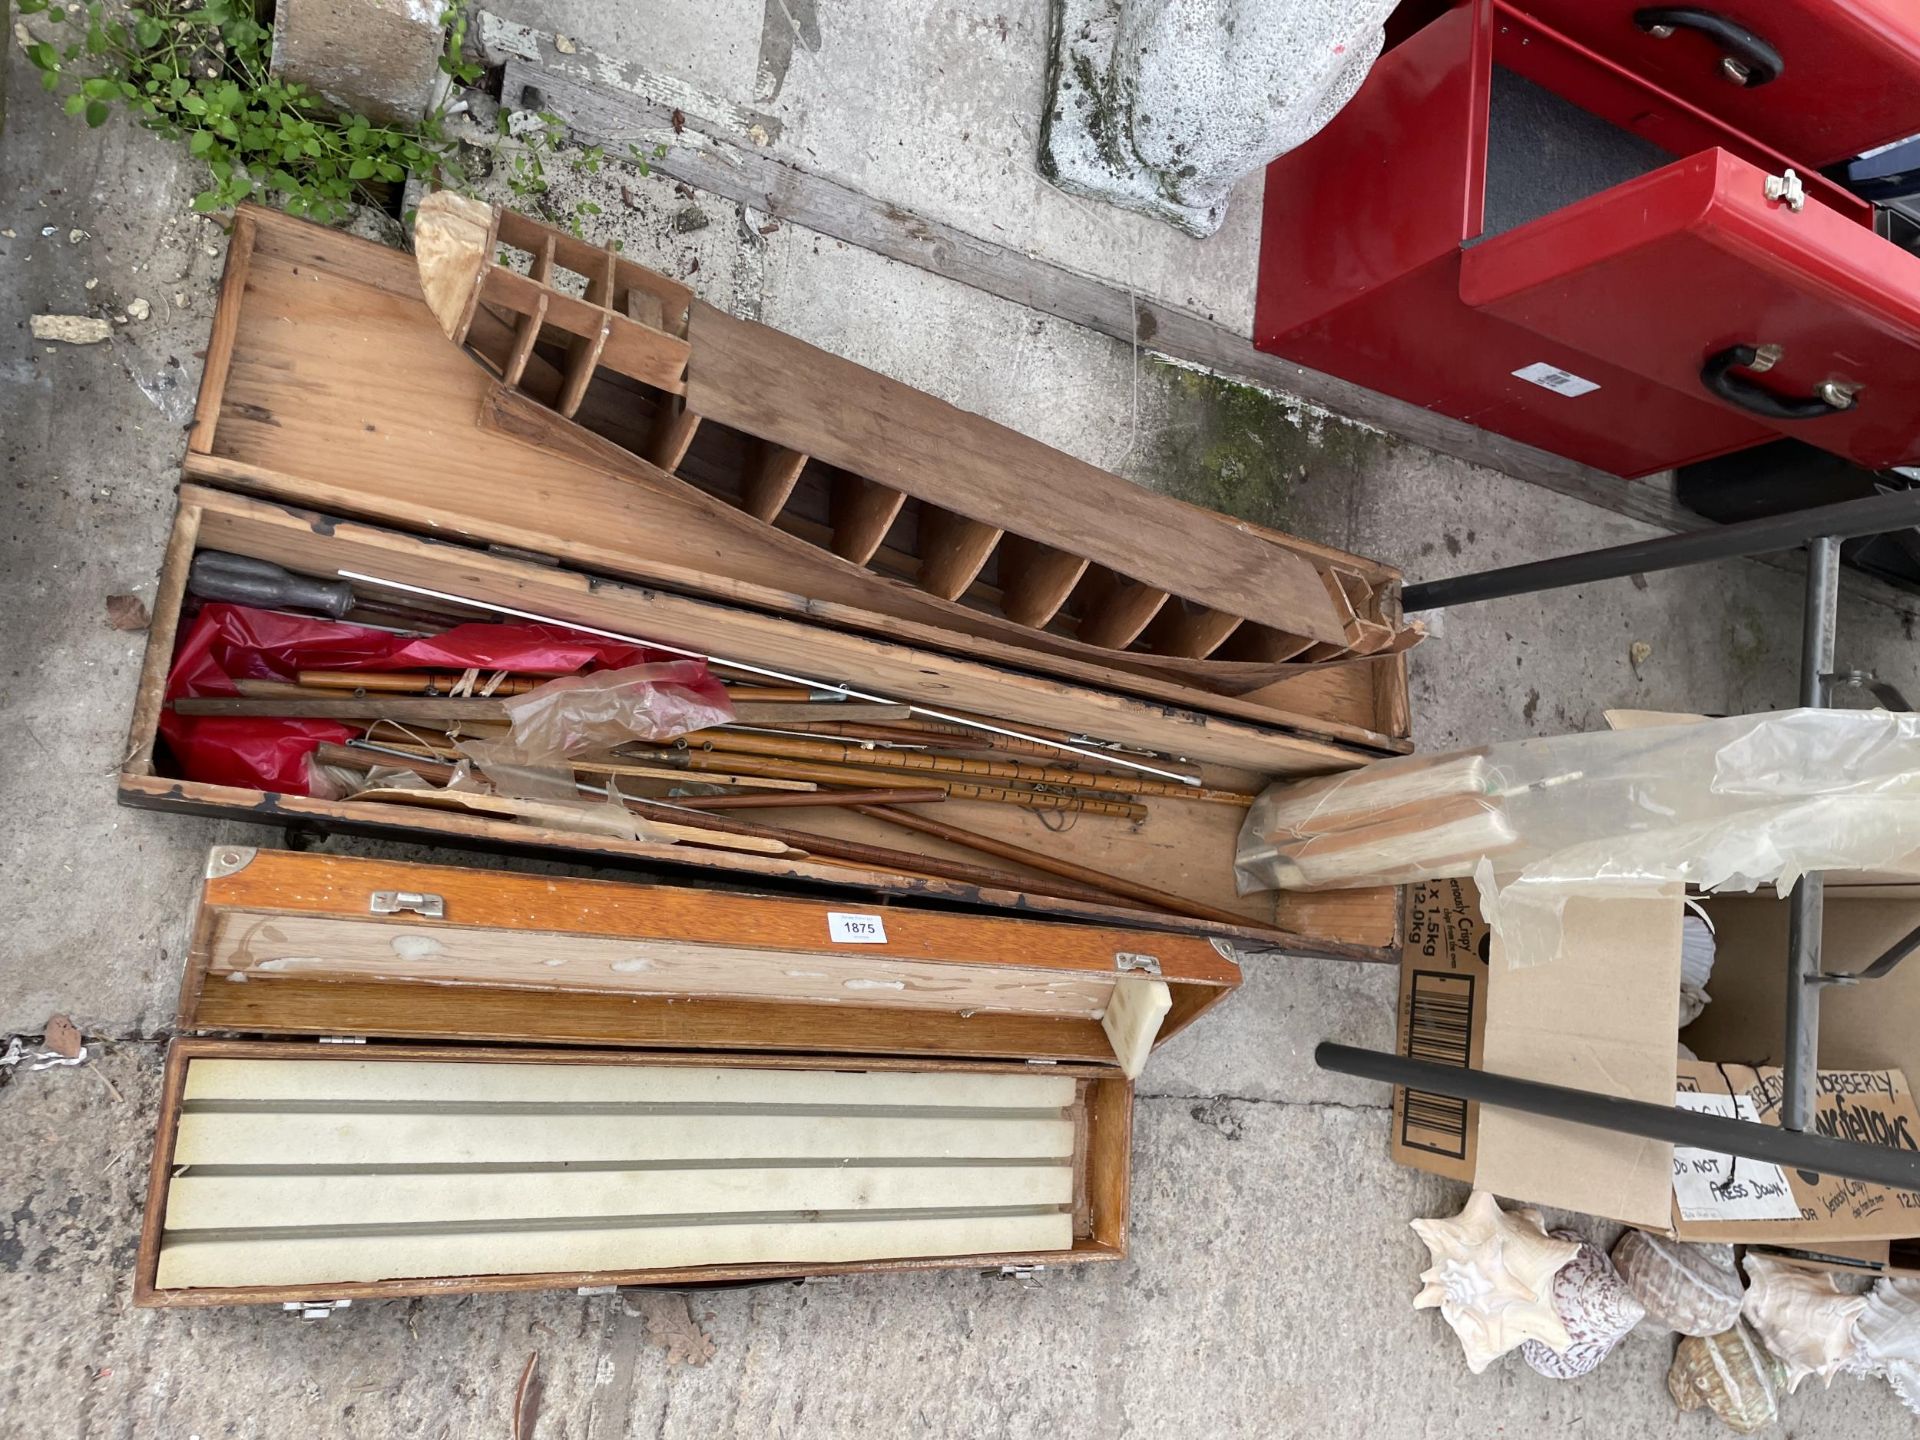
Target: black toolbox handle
{"points": [[1717, 375], [1750, 60]]}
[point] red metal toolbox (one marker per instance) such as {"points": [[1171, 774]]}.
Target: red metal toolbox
{"points": [[1822, 80], [1490, 131]]}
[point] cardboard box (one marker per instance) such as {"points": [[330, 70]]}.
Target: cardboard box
{"points": [[1604, 1018]]}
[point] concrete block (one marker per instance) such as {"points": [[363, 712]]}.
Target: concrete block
{"points": [[377, 58]]}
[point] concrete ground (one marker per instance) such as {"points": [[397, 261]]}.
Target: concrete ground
{"points": [[1269, 1288]]}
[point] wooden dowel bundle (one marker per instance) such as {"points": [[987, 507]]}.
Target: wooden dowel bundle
{"points": [[839, 752], [834, 773], [1376, 825]]}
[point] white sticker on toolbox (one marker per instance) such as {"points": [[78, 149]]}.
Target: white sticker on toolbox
{"points": [[1710, 1186], [845, 929], [1552, 377]]}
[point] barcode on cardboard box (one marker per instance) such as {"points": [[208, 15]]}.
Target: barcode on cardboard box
{"points": [[1439, 1029]]}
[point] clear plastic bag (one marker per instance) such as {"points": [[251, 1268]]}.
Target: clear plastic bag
{"points": [[1727, 804], [579, 714]]}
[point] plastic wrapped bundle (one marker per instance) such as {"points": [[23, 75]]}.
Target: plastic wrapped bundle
{"points": [[1731, 803]]}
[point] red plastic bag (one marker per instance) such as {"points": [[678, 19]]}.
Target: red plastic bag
{"points": [[229, 642]]}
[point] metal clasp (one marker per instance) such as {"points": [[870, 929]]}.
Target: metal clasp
{"points": [[1129, 960], [392, 902], [1787, 187], [314, 1309]]}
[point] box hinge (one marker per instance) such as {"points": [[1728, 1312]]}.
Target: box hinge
{"points": [[1025, 1274], [596, 1290], [314, 1309], [343, 1039], [393, 902], [514, 552], [1043, 1062], [1128, 960]]}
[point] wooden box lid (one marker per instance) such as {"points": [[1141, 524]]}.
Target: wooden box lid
{"points": [[286, 943]]}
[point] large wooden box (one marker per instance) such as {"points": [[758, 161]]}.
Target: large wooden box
{"points": [[1184, 847], [804, 1115]]}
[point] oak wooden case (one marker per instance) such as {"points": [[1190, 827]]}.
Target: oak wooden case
{"points": [[469, 978], [1185, 847]]}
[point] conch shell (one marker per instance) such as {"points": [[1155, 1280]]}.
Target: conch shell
{"points": [[1803, 1316], [1690, 1288], [1492, 1278], [1732, 1375], [1887, 1337], [1593, 1302]]}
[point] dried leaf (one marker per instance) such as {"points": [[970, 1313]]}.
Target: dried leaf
{"points": [[127, 612], [671, 1326], [526, 1401], [63, 1036]]}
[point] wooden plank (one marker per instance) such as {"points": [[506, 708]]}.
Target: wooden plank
{"points": [[773, 385], [308, 1261], [771, 475], [1036, 579], [354, 1081], [952, 551], [226, 324], [251, 943], [156, 664], [860, 513], [238, 1202], [294, 1005], [526, 330]]}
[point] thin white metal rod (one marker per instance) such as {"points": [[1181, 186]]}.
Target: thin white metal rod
{"points": [[1105, 757]]}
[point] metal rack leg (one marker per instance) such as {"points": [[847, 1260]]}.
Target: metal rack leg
{"points": [[1807, 905]]}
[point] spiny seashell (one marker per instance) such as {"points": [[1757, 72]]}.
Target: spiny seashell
{"points": [[1732, 1375], [1888, 1326], [1887, 1332], [1904, 1377], [1803, 1316], [1492, 1278], [1593, 1302], [1690, 1288]]}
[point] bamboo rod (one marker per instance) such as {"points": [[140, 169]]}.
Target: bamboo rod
{"points": [[1053, 865], [644, 772], [818, 798], [442, 710], [840, 752], [416, 682], [835, 773]]}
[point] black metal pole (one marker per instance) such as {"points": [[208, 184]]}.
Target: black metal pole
{"points": [[1875, 1164], [1874, 515]]}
